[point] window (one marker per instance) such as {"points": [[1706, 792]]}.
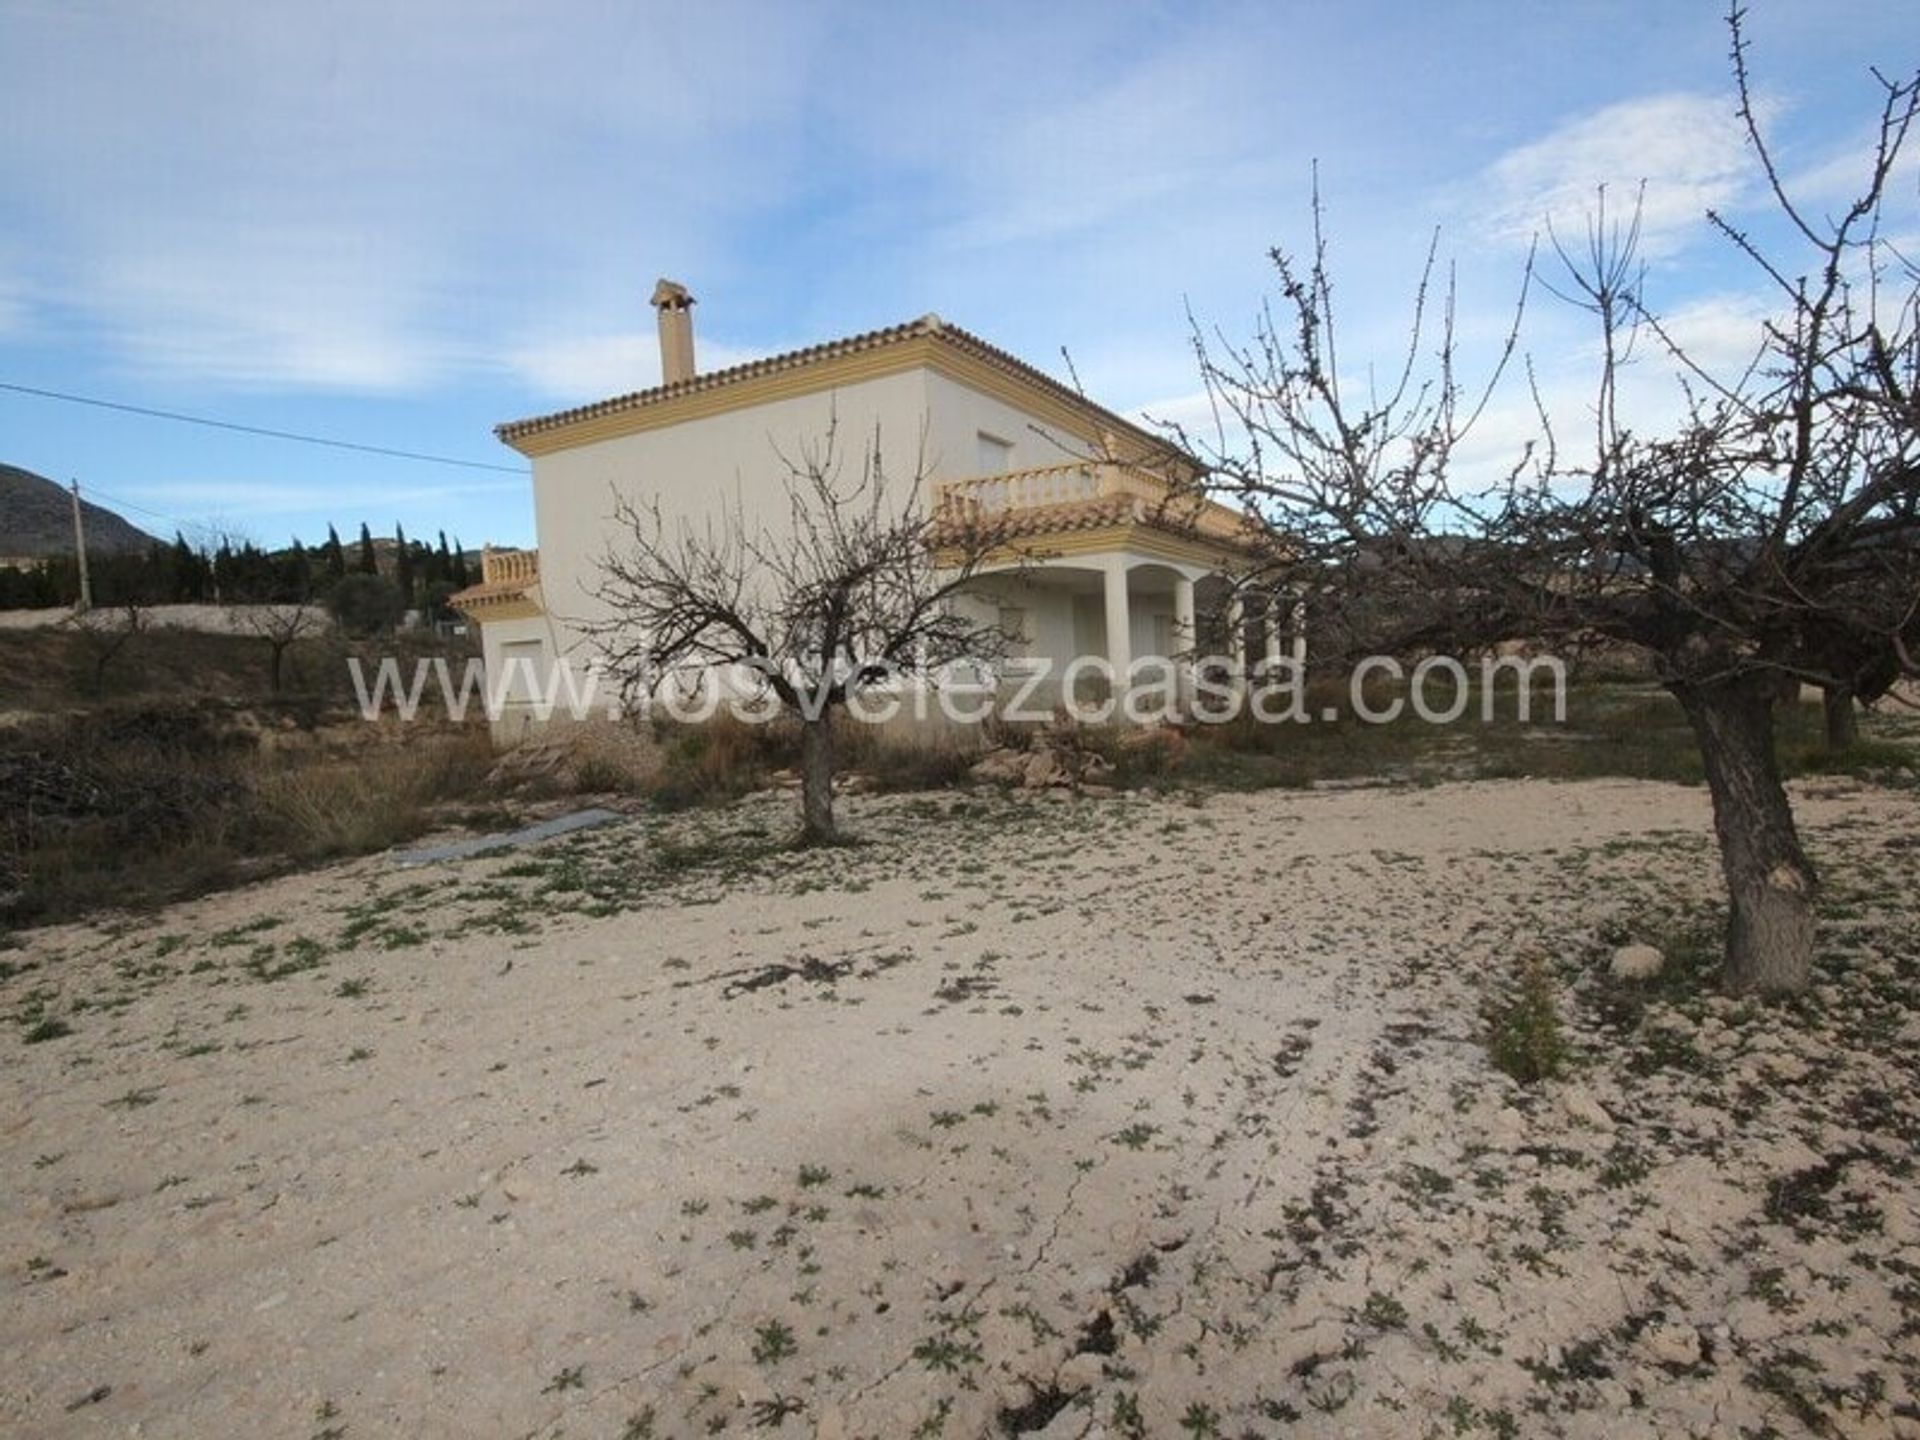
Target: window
{"points": [[522, 670], [1013, 620], [995, 456]]}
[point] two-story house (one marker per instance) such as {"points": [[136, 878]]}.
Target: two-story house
{"points": [[1117, 557]]}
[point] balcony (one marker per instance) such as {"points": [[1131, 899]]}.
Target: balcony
{"points": [[1075, 495], [509, 567], [509, 587]]}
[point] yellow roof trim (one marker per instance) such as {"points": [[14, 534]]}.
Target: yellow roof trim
{"points": [[498, 601], [1036, 550], [928, 342]]}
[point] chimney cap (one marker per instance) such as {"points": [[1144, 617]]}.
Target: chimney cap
{"points": [[670, 294]]}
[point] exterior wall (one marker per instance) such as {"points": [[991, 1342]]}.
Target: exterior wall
{"points": [[697, 470], [957, 415], [533, 638], [1064, 609]]}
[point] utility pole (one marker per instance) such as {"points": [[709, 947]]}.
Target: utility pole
{"points": [[80, 552]]}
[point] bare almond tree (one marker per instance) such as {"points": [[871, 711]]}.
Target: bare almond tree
{"points": [[282, 624], [856, 586], [1769, 538], [104, 635]]}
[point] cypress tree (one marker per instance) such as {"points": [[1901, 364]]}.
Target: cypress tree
{"points": [[403, 564]]}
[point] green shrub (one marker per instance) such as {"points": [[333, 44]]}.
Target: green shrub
{"points": [[366, 604], [1524, 1038]]}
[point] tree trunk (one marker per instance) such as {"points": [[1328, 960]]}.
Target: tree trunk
{"points": [[1842, 724], [816, 782], [274, 666], [1770, 881]]}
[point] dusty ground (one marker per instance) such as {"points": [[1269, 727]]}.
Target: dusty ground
{"points": [[1129, 1117]]}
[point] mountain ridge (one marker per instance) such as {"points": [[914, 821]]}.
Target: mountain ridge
{"points": [[36, 520]]}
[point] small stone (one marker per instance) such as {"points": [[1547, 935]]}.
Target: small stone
{"points": [[1000, 766], [1671, 1345], [1044, 770], [1080, 1372], [1508, 1127], [1786, 1069], [1636, 962], [1579, 1106], [1900, 1223]]}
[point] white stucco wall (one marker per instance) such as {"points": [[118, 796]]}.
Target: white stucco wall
{"points": [[534, 638], [958, 414], [697, 470]]}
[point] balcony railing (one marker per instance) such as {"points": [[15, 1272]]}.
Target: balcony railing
{"points": [[499, 567], [1155, 500]]}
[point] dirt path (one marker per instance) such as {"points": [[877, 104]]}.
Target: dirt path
{"points": [[1124, 1117]]}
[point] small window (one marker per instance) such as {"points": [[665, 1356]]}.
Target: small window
{"points": [[995, 455], [523, 665]]}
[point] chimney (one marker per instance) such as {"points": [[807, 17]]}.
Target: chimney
{"points": [[675, 305]]}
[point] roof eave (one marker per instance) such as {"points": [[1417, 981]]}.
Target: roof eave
{"points": [[513, 433]]}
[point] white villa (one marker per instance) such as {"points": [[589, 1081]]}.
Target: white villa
{"points": [[1117, 559]]}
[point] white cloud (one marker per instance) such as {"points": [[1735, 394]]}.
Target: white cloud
{"points": [[1722, 334], [369, 197], [592, 367], [1192, 412], [1689, 150], [1836, 181], [273, 306]]}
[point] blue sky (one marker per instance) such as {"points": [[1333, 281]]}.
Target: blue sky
{"points": [[402, 224]]}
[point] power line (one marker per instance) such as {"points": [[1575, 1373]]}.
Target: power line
{"points": [[259, 430], [174, 520]]}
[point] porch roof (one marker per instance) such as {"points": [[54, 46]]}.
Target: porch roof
{"points": [[1101, 504], [509, 587]]}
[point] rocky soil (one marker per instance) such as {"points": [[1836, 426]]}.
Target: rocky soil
{"points": [[1034, 1114]]}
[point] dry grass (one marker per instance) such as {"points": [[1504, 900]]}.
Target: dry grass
{"points": [[49, 670], [141, 807], [349, 807], [724, 759], [1625, 731]]}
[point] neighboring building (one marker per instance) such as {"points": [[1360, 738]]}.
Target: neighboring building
{"points": [[1117, 554]]}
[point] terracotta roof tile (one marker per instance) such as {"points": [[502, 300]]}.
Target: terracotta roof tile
{"points": [[487, 593], [927, 326]]}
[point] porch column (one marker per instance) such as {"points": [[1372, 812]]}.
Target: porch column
{"points": [[1119, 627], [1237, 636], [1297, 617], [1185, 638], [1272, 629]]}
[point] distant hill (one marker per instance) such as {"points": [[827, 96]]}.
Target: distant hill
{"points": [[36, 520]]}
